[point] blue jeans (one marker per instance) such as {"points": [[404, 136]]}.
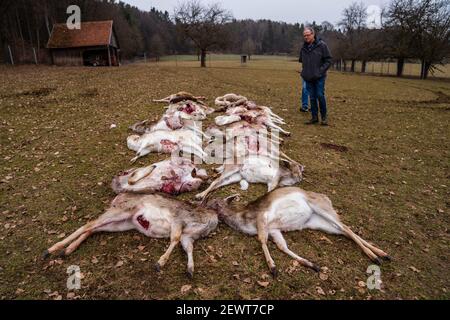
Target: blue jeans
{"points": [[316, 91], [305, 96]]}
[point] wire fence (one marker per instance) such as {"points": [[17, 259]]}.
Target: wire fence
{"points": [[389, 68]]}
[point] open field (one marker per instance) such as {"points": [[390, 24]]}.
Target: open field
{"points": [[378, 68], [58, 155]]}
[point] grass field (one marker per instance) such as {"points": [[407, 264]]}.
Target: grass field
{"points": [[58, 155], [378, 68]]}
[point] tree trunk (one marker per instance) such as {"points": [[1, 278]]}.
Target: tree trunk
{"points": [[47, 24], [352, 69], [425, 69], [363, 66], [345, 65], [21, 34], [203, 58], [400, 66]]}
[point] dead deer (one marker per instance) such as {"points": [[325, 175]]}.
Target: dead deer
{"points": [[181, 96], [253, 117], [178, 116], [240, 128], [257, 169], [155, 216], [242, 144], [190, 107], [265, 111], [173, 176], [164, 141], [229, 100], [289, 209]]}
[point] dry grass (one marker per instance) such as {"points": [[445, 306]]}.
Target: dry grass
{"points": [[59, 154]]}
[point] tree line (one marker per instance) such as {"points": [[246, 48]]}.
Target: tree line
{"points": [[410, 29]]}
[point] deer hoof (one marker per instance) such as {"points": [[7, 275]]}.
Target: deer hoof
{"points": [[315, 268], [45, 254], [190, 273], [157, 267], [387, 258], [62, 253], [274, 272], [377, 261]]}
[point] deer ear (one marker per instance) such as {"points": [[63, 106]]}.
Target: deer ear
{"points": [[194, 173], [230, 199], [140, 174]]}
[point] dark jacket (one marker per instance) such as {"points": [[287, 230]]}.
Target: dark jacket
{"points": [[316, 60]]}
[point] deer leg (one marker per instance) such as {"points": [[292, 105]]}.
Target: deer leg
{"points": [[116, 226], [188, 245], [273, 184], [263, 236], [162, 100], [370, 250], [75, 244], [111, 220], [219, 182], [61, 244], [375, 249], [279, 240], [274, 126], [175, 235], [350, 234]]}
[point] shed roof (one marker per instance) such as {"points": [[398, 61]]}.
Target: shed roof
{"points": [[93, 33]]}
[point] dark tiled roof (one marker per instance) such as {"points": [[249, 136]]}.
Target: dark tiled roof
{"points": [[95, 33]]}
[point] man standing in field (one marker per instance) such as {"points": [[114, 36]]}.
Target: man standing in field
{"points": [[316, 59]]}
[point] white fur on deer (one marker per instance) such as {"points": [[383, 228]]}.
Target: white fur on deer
{"points": [[173, 176], [155, 216], [230, 99], [289, 209], [181, 96], [163, 141], [252, 117], [257, 169]]}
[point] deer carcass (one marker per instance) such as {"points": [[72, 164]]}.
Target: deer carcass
{"points": [[250, 105], [229, 100], [251, 116], [179, 116], [155, 216], [268, 170], [174, 176], [289, 209], [239, 128], [180, 96], [164, 141]]}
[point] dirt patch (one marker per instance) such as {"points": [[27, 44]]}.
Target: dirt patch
{"points": [[334, 147]]}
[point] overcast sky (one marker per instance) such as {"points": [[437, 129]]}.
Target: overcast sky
{"points": [[291, 11]]}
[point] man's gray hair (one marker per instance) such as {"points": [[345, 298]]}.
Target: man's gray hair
{"points": [[309, 28]]}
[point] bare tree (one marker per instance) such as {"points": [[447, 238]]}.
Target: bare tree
{"points": [[353, 24], [156, 46], [249, 47], [419, 29], [203, 24]]}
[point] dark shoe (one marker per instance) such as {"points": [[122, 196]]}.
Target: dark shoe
{"points": [[324, 122], [312, 121], [303, 110]]}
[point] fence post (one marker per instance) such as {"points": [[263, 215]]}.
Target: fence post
{"points": [[35, 57], [10, 55]]}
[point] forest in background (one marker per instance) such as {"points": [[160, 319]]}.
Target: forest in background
{"points": [[411, 29]]}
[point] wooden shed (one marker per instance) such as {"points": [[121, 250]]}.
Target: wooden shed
{"points": [[95, 44]]}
